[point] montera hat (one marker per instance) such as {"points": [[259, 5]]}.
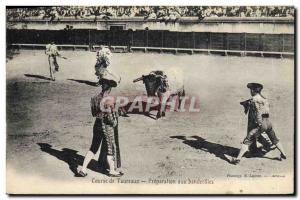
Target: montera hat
{"points": [[255, 86]]}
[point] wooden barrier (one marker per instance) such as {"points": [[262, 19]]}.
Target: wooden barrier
{"points": [[162, 40], [157, 49]]}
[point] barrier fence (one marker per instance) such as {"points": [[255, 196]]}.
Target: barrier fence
{"points": [[156, 39]]}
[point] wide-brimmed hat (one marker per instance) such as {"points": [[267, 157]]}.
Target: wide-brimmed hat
{"points": [[255, 86]]}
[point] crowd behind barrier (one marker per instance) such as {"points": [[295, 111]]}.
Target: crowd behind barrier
{"points": [[160, 13]]}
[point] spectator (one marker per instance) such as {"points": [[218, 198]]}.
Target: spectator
{"points": [[152, 15], [163, 13]]}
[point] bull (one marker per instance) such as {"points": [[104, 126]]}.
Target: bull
{"points": [[157, 85]]}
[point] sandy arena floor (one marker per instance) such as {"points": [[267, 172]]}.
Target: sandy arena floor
{"points": [[56, 116]]}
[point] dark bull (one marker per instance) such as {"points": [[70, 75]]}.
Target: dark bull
{"points": [[156, 84]]}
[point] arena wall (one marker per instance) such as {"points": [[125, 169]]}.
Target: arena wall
{"points": [[230, 35]]}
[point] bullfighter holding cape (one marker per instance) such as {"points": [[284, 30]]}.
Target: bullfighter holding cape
{"points": [[105, 132]]}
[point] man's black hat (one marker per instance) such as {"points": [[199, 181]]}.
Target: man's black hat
{"points": [[111, 83], [255, 86]]}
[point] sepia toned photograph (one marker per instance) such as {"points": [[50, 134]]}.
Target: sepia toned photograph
{"points": [[150, 100]]}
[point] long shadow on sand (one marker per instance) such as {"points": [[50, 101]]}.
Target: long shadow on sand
{"points": [[38, 76], [71, 157], [221, 151], [90, 83]]}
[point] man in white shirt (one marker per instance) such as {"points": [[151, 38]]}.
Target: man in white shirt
{"points": [[52, 52], [103, 61]]}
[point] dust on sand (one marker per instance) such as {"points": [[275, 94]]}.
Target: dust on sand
{"points": [[49, 124]]}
